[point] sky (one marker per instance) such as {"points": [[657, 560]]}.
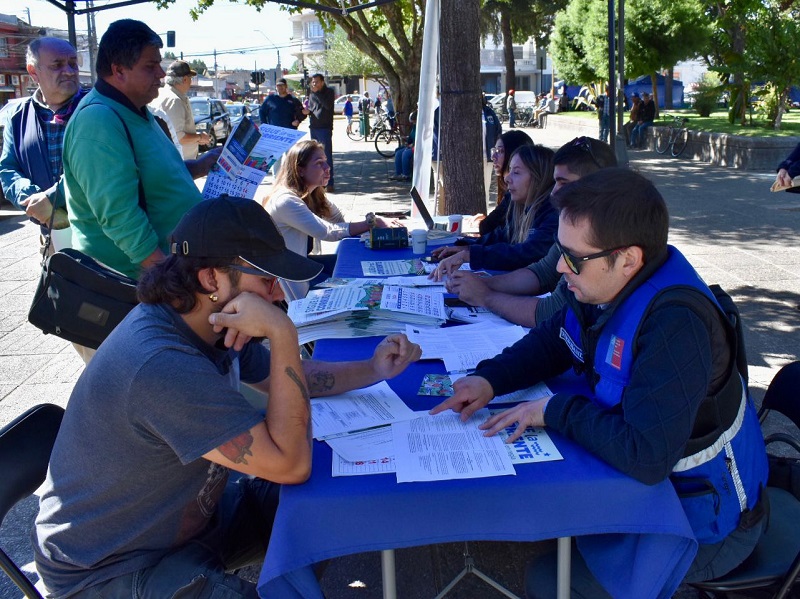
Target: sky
{"points": [[230, 28]]}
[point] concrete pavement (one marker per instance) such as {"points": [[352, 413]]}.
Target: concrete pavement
{"points": [[726, 221]]}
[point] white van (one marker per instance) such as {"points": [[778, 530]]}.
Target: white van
{"points": [[524, 99]]}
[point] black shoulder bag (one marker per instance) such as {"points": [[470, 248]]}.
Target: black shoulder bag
{"points": [[79, 299]]}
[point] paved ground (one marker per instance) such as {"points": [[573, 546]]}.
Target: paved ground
{"points": [[727, 222]]}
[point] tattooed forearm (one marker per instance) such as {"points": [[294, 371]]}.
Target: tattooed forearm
{"points": [[320, 381], [238, 448], [297, 381]]}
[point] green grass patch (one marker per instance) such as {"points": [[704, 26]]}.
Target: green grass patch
{"points": [[717, 122]]}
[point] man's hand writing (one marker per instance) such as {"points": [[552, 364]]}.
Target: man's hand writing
{"points": [[471, 394], [528, 413], [450, 265], [393, 355]]}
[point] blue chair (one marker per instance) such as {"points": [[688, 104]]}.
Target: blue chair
{"points": [[25, 447], [775, 563]]}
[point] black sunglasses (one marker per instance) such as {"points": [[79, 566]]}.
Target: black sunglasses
{"points": [[574, 262], [256, 272], [585, 144]]}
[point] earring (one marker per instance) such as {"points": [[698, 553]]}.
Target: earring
{"points": [[214, 297]]}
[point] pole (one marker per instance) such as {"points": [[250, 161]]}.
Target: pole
{"points": [[69, 7], [216, 76], [612, 94]]}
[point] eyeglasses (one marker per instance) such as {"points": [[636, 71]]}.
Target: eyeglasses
{"points": [[256, 272], [495, 151], [574, 262], [585, 144]]}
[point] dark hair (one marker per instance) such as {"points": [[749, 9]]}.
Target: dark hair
{"points": [[622, 207], [585, 155], [122, 44], [539, 161], [174, 281], [318, 76], [512, 140]]}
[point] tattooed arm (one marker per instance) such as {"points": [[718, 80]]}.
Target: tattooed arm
{"points": [[279, 448], [391, 357]]}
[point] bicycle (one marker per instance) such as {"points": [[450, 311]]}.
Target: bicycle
{"points": [[387, 141], [677, 136], [354, 128]]}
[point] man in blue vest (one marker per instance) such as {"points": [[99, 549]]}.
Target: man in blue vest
{"points": [[660, 394]]}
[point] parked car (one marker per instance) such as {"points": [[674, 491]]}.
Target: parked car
{"points": [[525, 99], [210, 116], [338, 105], [254, 114], [237, 110]]}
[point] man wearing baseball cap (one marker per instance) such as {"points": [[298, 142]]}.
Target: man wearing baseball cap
{"points": [[139, 499], [281, 110], [173, 101]]}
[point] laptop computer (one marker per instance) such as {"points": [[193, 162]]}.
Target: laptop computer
{"points": [[437, 232]]}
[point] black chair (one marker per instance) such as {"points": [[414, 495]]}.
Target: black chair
{"points": [[775, 563], [25, 447]]}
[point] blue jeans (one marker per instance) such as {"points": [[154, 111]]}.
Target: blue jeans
{"points": [[325, 137], [403, 161], [236, 537], [638, 133], [605, 127]]}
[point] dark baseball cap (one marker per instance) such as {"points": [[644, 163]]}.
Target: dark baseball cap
{"points": [[180, 68], [281, 81], [229, 227]]}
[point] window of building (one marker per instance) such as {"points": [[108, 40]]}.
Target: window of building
{"points": [[3, 47], [313, 29]]}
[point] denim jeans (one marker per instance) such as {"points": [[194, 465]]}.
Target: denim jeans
{"points": [[237, 536], [638, 133], [325, 137]]}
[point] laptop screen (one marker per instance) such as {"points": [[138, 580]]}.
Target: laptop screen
{"points": [[422, 208]]}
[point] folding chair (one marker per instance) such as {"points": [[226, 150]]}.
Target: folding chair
{"points": [[25, 447]]}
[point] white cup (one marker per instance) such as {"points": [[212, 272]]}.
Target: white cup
{"points": [[454, 223], [419, 241]]}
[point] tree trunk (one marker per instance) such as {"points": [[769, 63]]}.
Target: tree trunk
{"points": [[508, 50], [654, 77], [460, 107]]}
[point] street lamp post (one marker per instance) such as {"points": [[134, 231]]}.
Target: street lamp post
{"points": [[278, 71]]}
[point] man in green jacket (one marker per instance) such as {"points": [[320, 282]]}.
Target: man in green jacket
{"points": [[126, 184]]}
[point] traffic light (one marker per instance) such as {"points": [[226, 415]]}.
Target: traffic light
{"points": [[254, 77], [170, 39]]}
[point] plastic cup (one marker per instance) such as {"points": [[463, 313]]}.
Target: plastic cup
{"points": [[419, 241], [454, 223]]}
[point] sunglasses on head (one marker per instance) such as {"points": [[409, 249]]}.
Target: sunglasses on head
{"points": [[574, 262], [585, 144]]}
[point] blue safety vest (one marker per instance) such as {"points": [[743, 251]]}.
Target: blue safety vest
{"points": [[724, 464]]}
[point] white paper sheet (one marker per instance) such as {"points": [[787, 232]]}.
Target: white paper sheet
{"points": [[387, 268], [538, 391], [341, 467], [357, 410], [441, 447], [364, 445], [414, 301], [463, 347]]}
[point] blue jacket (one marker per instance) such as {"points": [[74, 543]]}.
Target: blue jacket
{"points": [[281, 111], [661, 395], [494, 251]]}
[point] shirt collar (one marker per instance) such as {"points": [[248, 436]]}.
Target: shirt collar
{"points": [[109, 91]]}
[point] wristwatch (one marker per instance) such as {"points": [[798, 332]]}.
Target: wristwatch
{"points": [[370, 218]]}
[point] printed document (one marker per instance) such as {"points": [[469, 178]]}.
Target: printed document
{"points": [[248, 153], [357, 410], [364, 445], [387, 268], [341, 467], [441, 447], [463, 347], [427, 302], [535, 445]]}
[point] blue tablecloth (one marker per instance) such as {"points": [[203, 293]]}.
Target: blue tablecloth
{"points": [[351, 252], [647, 556], [634, 537]]}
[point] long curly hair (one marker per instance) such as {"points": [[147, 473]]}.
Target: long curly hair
{"points": [[298, 156], [539, 161]]}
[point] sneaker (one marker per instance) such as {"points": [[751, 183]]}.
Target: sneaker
{"points": [[395, 177]]}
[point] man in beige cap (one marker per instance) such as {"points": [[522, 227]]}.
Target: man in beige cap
{"points": [[173, 101]]}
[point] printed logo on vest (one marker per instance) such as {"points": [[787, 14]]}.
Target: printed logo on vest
{"points": [[573, 347], [614, 355]]}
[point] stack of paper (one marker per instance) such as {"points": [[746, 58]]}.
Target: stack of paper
{"points": [[365, 310]]}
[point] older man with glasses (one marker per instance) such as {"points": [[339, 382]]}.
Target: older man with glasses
{"points": [[659, 394]]}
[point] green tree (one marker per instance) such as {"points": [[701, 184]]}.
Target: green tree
{"points": [[168, 55], [579, 43], [344, 58], [198, 65]]}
